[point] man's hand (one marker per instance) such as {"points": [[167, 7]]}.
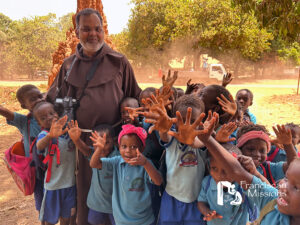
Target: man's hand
{"points": [[74, 131], [228, 106], [283, 135], [169, 81], [56, 129], [227, 78], [225, 131], [186, 131]]}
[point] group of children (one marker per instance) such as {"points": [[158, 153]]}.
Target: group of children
{"points": [[174, 155]]}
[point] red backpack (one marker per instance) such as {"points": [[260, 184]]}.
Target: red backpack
{"points": [[20, 166]]}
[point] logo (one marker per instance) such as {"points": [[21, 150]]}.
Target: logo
{"points": [[231, 190], [189, 159], [137, 185]]}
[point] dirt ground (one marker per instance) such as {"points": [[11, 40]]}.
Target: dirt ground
{"points": [[275, 101]]}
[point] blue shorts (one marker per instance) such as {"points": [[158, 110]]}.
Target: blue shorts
{"points": [[175, 212], [96, 217], [38, 193], [58, 203]]}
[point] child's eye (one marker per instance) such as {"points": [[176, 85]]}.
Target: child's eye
{"points": [[296, 188], [133, 147]]}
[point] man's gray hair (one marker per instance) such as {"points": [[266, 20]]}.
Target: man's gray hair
{"points": [[86, 12]]}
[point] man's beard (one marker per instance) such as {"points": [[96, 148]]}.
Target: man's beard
{"points": [[87, 47]]}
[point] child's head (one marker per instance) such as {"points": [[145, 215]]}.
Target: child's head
{"points": [[209, 96], [28, 95], [254, 141], [130, 140], [216, 171], [288, 200], [132, 103], [186, 101], [180, 92], [245, 98], [44, 113], [146, 93], [109, 131], [295, 129]]}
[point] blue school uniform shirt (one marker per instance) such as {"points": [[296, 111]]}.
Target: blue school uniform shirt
{"points": [[100, 193], [185, 170], [281, 154], [62, 175], [21, 122], [232, 214], [131, 200], [251, 116], [261, 194], [276, 170]]}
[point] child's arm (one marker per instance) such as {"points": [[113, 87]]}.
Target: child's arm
{"points": [[284, 137], [9, 115], [230, 164], [225, 131], [226, 79], [56, 130], [99, 143], [75, 133], [208, 214], [141, 160]]}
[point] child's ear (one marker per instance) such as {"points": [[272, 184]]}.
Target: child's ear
{"points": [[251, 103]]}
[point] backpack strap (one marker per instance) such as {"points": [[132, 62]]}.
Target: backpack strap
{"points": [[273, 155], [52, 150], [269, 207], [267, 172]]}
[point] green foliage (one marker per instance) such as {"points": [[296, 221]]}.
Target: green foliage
{"points": [[27, 45], [291, 53]]}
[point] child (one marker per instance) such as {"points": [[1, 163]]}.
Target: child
{"points": [[126, 105], [208, 197], [99, 197], [185, 163], [59, 186], [281, 210], [146, 93], [278, 154], [245, 98], [131, 201], [253, 140], [28, 96]]}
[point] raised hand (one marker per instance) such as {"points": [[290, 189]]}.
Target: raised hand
{"points": [[133, 112], [225, 131], [74, 131], [160, 120], [186, 132], [56, 129], [209, 125], [139, 160], [98, 141], [247, 163], [212, 214], [227, 78], [152, 103], [169, 81], [283, 135], [228, 106]]}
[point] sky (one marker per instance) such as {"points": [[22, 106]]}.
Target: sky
{"points": [[117, 11]]}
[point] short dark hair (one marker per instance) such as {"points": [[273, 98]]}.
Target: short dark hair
{"points": [[148, 90], [251, 127], [129, 99], [87, 12], [105, 128], [39, 104], [248, 92], [292, 126], [186, 101], [21, 92]]}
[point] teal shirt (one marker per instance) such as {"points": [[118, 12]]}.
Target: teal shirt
{"points": [[131, 200], [232, 214], [21, 122], [100, 193], [62, 175], [261, 194], [276, 170]]}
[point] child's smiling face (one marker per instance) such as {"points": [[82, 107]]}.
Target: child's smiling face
{"points": [[128, 146], [217, 172], [257, 149], [31, 98], [132, 103], [243, 97], [45, 115], [288, 200]]}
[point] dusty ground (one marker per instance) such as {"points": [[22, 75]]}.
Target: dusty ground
{"points": [[274, 102]]}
